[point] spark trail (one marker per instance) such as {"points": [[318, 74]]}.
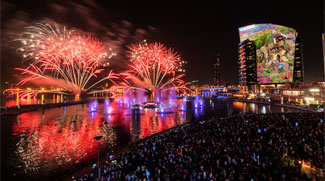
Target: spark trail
{"points": [[58, 53], [153, 67]]}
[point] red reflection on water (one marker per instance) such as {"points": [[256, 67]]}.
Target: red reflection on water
{"points": [[69, 142], [53, 141], [26, 123], [12, 103], [59, 137], [146, 127], [156, 122], [170, 122]]}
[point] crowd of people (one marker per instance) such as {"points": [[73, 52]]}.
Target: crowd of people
{"points": [[246, 147]]}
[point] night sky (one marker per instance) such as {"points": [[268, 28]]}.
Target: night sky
{"points": [[197, 30]]}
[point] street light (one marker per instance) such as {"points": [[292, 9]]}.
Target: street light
{"points": [[97, 138], [314, 90]]}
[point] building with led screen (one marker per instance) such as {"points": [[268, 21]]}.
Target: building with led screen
{"points": [[274, 51]]}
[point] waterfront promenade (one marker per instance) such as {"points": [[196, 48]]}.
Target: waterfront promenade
{"points": [[277, 104]]}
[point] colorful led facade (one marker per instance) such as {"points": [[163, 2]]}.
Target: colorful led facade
{"points": [[278, 54]]}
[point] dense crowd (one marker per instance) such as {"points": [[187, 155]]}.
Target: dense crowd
{"points": [[247, 147]]}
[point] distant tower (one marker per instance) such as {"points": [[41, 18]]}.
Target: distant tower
{"points": [[216, 72], [195, 87]]}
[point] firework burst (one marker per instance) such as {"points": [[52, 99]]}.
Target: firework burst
{"points": [[57, 53], [153, 67]]}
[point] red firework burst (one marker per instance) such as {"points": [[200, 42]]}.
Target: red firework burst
{"points": [[59, 53], [154, 66]]}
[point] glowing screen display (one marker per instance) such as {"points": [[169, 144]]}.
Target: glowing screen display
{"points": [[275, 50]]}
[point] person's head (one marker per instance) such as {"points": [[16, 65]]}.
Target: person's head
{"points": [[279, 39], [270, 44]]}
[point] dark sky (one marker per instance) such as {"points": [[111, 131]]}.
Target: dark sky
{"points": [[197, 29]]}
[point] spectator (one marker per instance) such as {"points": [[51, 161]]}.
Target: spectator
{"points": [[246, 147]]}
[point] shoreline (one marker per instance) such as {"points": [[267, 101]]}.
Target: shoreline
{"points": [[26, 108], [275, 104]]}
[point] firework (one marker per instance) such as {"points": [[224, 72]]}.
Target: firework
{"points": [[57, 53], [153, 66]]}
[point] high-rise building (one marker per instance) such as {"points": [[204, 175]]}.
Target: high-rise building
{"points": [[247, 63], [216, 72], [323, 42], [277, 53], [298, 68]]}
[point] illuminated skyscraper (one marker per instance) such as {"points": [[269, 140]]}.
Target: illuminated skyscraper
{"points": [[298, 69], [247, 63], [216, 71], [323, 42], [277, 53]]}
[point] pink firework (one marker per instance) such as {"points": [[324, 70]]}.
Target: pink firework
{"points": [[58, 53], [153, 66]]}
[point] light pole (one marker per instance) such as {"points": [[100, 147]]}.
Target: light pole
{"points": [[97, 138]]}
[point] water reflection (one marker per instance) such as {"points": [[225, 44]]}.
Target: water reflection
{"points": [[51, 141], [45, 141], [253, 108], [263, 110]]}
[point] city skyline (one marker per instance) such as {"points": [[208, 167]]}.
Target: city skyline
{"points": [[196, 30], [147, 90]]}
